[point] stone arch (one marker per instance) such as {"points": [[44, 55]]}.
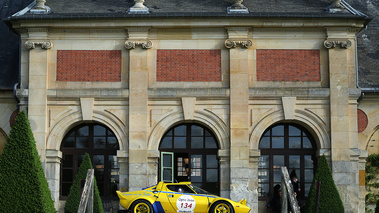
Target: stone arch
{"points": [[375, 143], [208, 119], [313, 123], [371, 128], [59, 130]]}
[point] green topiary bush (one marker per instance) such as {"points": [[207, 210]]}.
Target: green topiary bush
{"points": [[73, 199], [330, 200], [23, 185]]}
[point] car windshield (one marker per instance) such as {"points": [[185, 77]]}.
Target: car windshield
{"points": [[199, 190]]}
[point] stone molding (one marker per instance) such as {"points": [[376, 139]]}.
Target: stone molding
{"points": [[233, 43], [44, 44], [329, 44], [144, 44]]}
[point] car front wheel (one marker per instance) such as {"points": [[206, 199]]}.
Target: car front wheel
{"points": [[141, 206], [221, 207]]}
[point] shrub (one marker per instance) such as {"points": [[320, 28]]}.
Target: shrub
{"points": [[373, 159], [377, 207], [330, 199], [23, 185], [73, 199]]}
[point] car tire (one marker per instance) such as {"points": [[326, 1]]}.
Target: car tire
{"points": [[221, 207], [141, 206]]}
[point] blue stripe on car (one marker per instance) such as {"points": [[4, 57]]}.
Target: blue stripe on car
{"points": [[157, 206]]}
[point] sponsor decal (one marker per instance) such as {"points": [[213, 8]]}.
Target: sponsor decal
{"points": [[185, 204]]}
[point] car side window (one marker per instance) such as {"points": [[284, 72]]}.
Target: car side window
{"points": [[180, 188]]}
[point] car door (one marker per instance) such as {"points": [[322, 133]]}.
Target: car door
{"points": [[184, 199]]}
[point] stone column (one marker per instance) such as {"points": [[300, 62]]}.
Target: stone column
{"points": [[38, 76], [239, 113], [138, 107], [52, 170], [343, 122]]}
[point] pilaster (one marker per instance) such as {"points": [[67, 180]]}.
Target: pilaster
{"points": [[52, 171], [38, 47], [239, 113], [138, 107], [343, 123]]}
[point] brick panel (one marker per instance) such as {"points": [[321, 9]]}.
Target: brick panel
{"points": [[362, 121], [188, 65], [89, 65], [288, 65]]}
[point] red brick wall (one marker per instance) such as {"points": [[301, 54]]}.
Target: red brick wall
{"points": [[89, 65], [288, 65], [188, 65], [362, 120]]}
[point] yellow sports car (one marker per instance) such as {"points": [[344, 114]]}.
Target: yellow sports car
{"points": [[178, 197]]}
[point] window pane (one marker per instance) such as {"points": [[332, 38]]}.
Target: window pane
{"points": [[264, 143], [263, 175], [294, 161], [196, 161], [167, 174], [180, 142], [210, 143], [306, 143], [112, 143], [197, 142], [207, 133], [307, 187], [212, 161], [278, 131], [294, 142], [308, 173], [66, 188], [196, 131], [82, 142], [294, 131], [67, 161], [180, 131], [83, 131], [297, 172], [167, 160], [169, 133], [79, 159], [263, 161], [278, 161], [99, 142], [99, 130], [212, 175], [166, 143], [263, 189], [267, 133], [196, 175], [67, 175], [308, 162], [277, 175], [69, 142], [278, 142]]}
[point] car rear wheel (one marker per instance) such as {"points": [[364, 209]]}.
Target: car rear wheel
{"points": [[222, 207], [141, 206]]}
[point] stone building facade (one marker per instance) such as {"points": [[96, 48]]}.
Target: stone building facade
{"points": [[229, 97]]}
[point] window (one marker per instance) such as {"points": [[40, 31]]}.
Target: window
{"points": [[189, 153], [287, 145], [102, 145]]}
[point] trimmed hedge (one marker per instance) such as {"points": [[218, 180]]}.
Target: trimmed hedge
{"points": [[73, 199], [330, 200], [23, 185]]}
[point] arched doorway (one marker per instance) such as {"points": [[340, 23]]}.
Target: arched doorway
{"points": [[189, 153], [101, 144], [288, 145]]}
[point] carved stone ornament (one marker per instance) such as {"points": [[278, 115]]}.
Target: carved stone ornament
{"points": [[44, 44], [232, 44], [334, 43], [144, 44]]}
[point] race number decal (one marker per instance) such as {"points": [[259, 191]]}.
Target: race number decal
{"points": [[185, 203]]}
